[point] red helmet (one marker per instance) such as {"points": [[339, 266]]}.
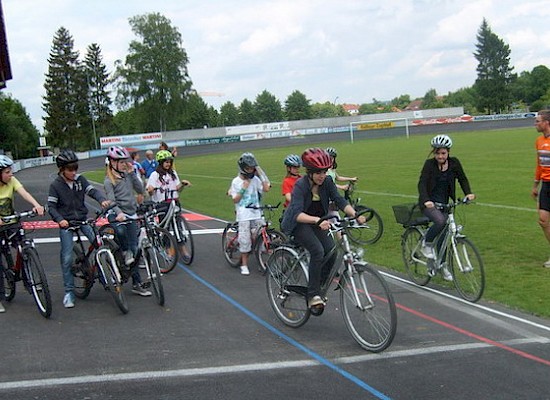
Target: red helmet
{"points": [[316, 159]]}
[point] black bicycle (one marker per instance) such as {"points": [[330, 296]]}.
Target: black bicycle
{"points": [[371, 231]]}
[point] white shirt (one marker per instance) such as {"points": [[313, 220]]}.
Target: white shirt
{"points": [[168, 186], [250, 196]]}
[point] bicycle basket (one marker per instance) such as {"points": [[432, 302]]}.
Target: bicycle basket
{"points": [[406, 213]]}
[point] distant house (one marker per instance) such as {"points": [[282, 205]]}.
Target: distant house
{"points": [[351, 109], [414, 105]]}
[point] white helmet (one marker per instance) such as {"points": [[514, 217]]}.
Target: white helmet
{"points": [[442, 141], [5, 162]]}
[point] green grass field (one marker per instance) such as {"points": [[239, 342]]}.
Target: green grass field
{"points": [[502, 223]]}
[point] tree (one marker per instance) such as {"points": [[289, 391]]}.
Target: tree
{"points": [[65, 103], [431, 100], [213, 117], [154, 74], [247, 113], [18, 135], [401, 102], [297, 106], [494, 73], [99, 99], [465, 97], [268, 108], [196, 113], [229, 114], [326, 110]]}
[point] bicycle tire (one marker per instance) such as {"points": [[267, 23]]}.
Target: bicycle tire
{"points": [[82, 273], [153, 270], [286, 284], [36, 281], [468, 272], [371, 231], [372, 322], [186, 246], [167, 249], [230, 244], [109, 270], [9, 281], [415, 262], [264, 248]]}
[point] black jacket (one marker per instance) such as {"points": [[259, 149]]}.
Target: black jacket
{"points": [[427, 181]]}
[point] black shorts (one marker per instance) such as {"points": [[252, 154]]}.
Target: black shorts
{"points": [[544, 196]]}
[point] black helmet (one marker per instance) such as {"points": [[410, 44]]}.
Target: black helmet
{"points": [[332, 152], [66, 157]]}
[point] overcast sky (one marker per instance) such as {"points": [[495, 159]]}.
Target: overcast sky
{"points": [[345, 51]]}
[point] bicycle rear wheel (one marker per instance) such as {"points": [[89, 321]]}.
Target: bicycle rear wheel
{"points": [[36, 281], [185, 240], [368, 308], [154, 274], [111, 277], [265, 245], [167, 249], [415, 262], [371, 231], [467, 270], [286, 283], [230, 244], [82, 273]]}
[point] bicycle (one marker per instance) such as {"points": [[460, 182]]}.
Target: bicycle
{"points": [[366, 303], [27, 266], [265, 240], [97, 262], [456, 252], [371, 231]]}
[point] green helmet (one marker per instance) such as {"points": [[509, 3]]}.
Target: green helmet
{"points": [[164, 155]]}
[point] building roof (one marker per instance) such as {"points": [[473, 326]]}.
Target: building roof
{"points": [[5, 68]]}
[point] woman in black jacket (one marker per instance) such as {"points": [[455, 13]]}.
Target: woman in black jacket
{"points": [[437, 184]]}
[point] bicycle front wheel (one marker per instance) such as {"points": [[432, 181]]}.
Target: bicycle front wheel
{"points": [[371, 231], [230, 244], [467, 270], [111, 277], [36, 281], [153, 272], [185, 240], [368, 308], [9, 280], [167, 249], [286, 283], [82, 273], [415, 262], [266, 242]]}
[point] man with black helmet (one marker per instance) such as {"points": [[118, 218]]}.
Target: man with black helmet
{"points": [[66, 203]]}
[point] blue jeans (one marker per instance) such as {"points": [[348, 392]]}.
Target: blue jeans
{"points": [[66, 254], [127, 234]]}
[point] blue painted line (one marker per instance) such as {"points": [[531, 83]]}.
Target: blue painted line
{"points": [[282, 335]]}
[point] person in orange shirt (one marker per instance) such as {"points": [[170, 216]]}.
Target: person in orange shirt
{"points": [[293, 162], [542, 173]]}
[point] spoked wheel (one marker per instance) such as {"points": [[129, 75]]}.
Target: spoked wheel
{"points": [[467, 270], [266, 242], [154, 274], [230, 244], [111, 277], [371, 231], [82, 273], [185, 240], [286, 282], [368, 308], [36, 281], [415, 262], [167, 249], [9, 281]]}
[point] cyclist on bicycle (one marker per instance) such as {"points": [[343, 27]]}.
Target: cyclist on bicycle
{"points": [[246, 189], [293, 164], [120, 184], [310, 201], [437, 184], [332, 171], [66, 203], [164, 184], [9, 185]]}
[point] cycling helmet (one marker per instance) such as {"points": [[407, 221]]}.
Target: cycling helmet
{"points": [[247, 160], [163, 155], [332, 152], [441, 141], [5, 162], [316, 159], [65, 158], [292, 160], [118, 153]]}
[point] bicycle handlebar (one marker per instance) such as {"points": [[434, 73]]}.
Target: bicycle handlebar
{"points": [[18, 215], [452, 204], [264, 207], [342, 222]]}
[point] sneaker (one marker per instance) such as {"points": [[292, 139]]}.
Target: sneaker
{"points": [[546, 264], [129, 258], [2, 309], [427, 251], [68, 300], [244, 270], [445, 273], [316, 301], [140, 290]]}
